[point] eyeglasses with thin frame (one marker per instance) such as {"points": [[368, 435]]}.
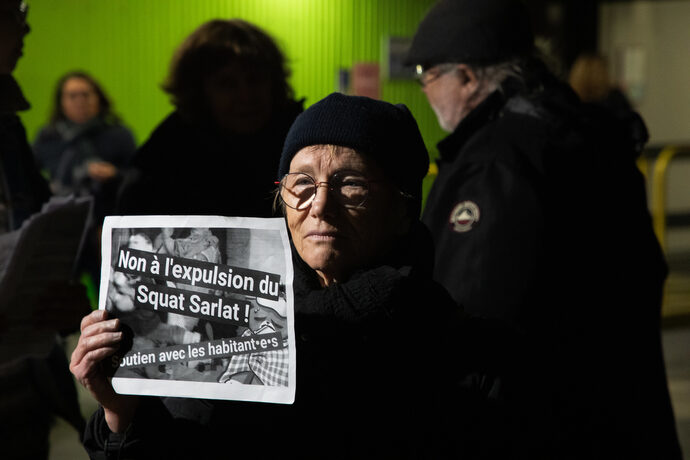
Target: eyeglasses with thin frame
{"points": [[426, 76], [298, 190]]}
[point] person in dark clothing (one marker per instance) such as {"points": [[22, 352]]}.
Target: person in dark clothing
{"points": [[539, 218], [33, 388], [216, 153], [83, 149], [388, 365], [23, 189], [589, 78]]}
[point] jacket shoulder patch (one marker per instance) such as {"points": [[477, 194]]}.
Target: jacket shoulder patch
{"points": [[464, 216]]}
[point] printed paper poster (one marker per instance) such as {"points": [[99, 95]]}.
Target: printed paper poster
{"points": [[206, 305]]}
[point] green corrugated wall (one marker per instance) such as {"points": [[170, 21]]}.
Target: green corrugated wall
{"points": [[127, 45]]}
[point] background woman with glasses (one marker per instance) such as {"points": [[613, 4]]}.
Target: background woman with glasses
{"points": [[382, 350], [84, 148]]}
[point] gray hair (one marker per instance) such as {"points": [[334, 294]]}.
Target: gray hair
{"points": [[491, 76]]}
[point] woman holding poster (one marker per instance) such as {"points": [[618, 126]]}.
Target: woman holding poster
{"points": [[388, 365]]}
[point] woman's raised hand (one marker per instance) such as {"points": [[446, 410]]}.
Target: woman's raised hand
{"points": [[100, 338]]}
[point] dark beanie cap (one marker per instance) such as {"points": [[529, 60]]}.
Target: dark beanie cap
{"points": [[384, 132], [472, 31]]}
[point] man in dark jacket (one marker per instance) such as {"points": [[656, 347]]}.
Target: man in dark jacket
{"points": [[539, 218]]}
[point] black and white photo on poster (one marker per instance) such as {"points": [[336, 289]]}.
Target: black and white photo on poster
{"points": [[205, 304]]}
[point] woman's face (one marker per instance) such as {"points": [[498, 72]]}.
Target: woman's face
{"points": [[239, 96], [79, 100], [335, 240]]}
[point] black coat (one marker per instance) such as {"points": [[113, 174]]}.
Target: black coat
{"points": [[64, 150], [23, 188], [62, 147], [387, 367], [187, 168], [539, 218]]}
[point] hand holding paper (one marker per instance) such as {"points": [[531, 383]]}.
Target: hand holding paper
{"points": [[100, 338]]}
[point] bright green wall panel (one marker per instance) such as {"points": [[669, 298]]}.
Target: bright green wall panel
{"points": [[127, 45]]}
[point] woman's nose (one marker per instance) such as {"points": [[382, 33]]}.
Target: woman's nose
{"points": [[322, 199]]}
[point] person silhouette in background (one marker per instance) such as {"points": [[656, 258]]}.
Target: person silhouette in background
{"points": [[217, 152], [23, 190], [589, 78], [83, 149], [33, 388]]}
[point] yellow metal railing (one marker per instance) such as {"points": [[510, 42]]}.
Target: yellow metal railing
{"points": [[659, 213], [659, 193], [659, 189], [643, 166]]}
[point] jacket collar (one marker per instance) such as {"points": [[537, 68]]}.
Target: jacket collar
{"points": [[486, 111], [11, 97]]}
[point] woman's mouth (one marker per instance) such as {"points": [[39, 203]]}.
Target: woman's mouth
{"points": [[322, 236]]}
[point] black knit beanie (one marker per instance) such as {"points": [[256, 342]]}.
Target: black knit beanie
{"points": [[472, 31], [384, 132]]}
